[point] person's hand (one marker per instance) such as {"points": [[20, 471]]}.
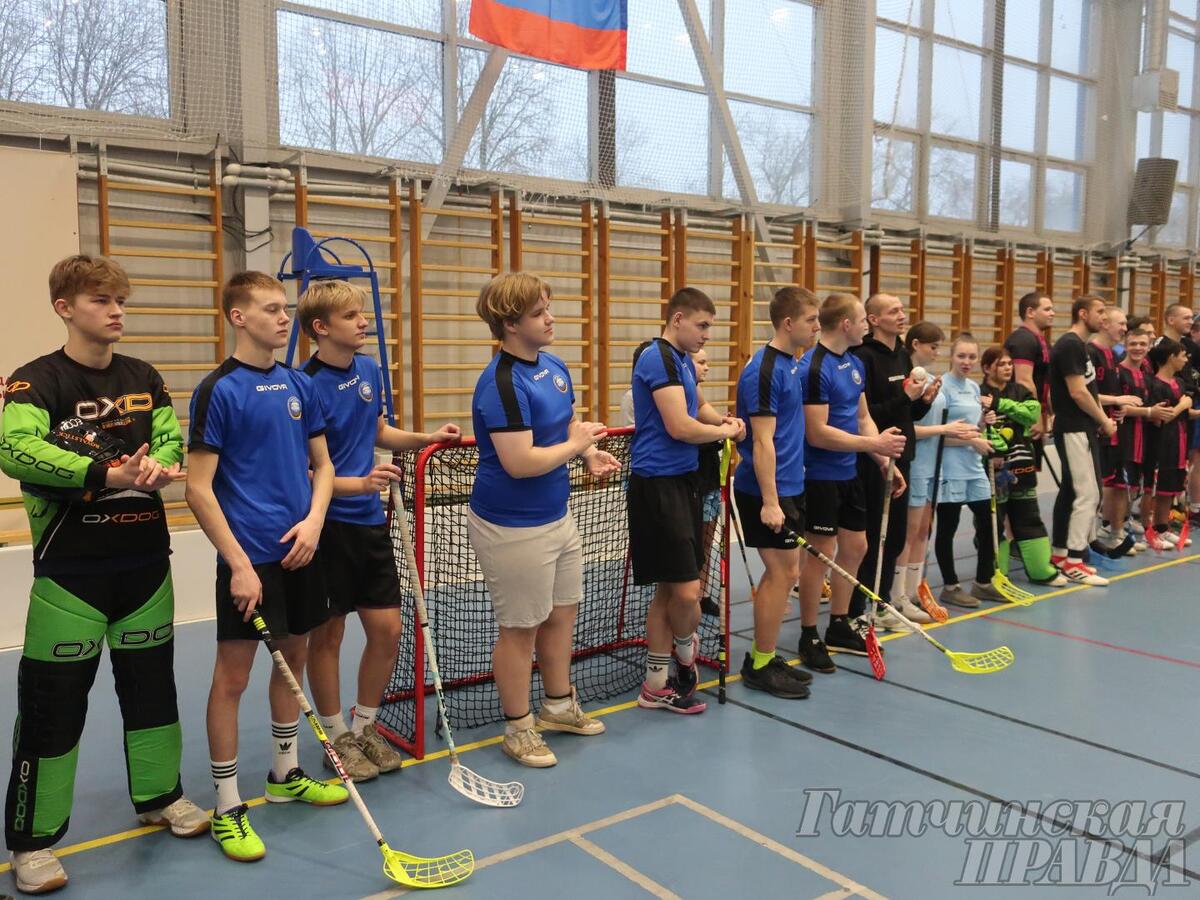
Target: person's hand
{"points": [[899, 485], [1118, 414], [1129, 400], [601, 464], [913, 389], [1108, 428], [739, 427], [960, 430], [447, 434], [931, 390], [890, 443], [989, 417], [982, 447], [985, 401], [380, 478], [582, 435], [154, 476], [1160, 412], [772, 516], [126, 475], [246, 590], [306, 534], [1036, 431]]}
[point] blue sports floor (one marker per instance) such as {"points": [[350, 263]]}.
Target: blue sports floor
{"points": [[1100, 705]]}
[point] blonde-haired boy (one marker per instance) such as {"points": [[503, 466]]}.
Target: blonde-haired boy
{"points": [[356, 548]]}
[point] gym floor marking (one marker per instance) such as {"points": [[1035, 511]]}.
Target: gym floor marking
{"points": [[576, 836], [120, 836], [1095, 643]]}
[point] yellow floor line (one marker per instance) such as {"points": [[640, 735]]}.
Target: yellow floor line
{"points": [[733, 677]]}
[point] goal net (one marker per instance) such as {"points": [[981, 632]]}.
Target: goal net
{"points": [[609, 654]]}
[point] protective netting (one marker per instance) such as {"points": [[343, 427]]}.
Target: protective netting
{"points": [[140, 67], [609, 655]]}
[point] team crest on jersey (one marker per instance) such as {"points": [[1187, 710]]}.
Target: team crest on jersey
{"points": [[364, 391], [560, 383], [294, 408], [855, 376]]}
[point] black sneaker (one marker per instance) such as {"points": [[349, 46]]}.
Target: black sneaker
{"points": [[814, 655], [841, 635], [776, 678], [686, 677], [709, 607]]}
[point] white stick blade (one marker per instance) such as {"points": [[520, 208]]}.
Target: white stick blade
{"points": [[483, 790]]}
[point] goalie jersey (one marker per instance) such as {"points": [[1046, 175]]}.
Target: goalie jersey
{"points": [[74, 526]]}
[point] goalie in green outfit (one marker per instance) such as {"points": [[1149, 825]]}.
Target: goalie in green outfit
{"points": [[1017, 411], [92, 437]]}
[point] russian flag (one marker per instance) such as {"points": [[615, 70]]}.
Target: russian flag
{"points": [[586, 34]]}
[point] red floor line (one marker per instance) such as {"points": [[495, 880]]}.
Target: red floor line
{"points": [[1084, 640]]}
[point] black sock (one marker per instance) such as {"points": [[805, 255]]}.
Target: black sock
{"points": [[834, 620], [808, 632], [1162, 527]]}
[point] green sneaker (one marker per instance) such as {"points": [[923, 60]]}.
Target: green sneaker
{"points": [[233, 834], [298, 786]]}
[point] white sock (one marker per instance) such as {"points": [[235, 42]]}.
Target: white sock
{"points": [[363, 716], [522, 723], [224, 776], [685, 650], [913, 581], [335, 726], [898, 579], [283, 743], [657, 665]]}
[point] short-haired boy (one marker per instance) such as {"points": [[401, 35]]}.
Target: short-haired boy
{"points": [[257, 429], [356, 548]]}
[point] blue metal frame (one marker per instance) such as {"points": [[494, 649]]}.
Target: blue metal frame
{"points": [[308, 262]]}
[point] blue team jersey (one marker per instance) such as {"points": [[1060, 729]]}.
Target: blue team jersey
{"points": [[260, 422], [515, 394], [835, 380], [770, 385], [657, 364], [352, 400]]}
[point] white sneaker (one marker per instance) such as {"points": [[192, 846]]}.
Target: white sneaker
{"points": [[38, 872], [184, 817], [1079, 573], [1137, 527], [912, 611]]}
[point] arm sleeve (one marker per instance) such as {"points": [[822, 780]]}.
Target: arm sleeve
{"points": [[656, 370], [166, 437], [24, 452], [504, 406], [314, 409], [1023, 347], [1024, 412], [889, 408], [763, 398], [1072, 360], [208, 418], [816, 386]]}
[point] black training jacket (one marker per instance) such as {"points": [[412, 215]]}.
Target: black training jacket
{"points": [[889, 405]]}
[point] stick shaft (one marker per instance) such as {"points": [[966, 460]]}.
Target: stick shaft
{"points": [[933, 498], [297, 691], [883, 522], [871, 595], [418, 589]]}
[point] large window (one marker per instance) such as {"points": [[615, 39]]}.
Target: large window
{"points": [[1170, 134], [940, 94], [100, 55]]}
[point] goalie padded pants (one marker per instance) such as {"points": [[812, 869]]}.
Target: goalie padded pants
{"points": [[70, 617]]}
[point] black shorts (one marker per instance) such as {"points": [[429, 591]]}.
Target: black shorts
{"points": [[1110, 465], [1132, 475], [359, 567], [666, 529], [757, 534], [293, 602], [1169, 481], [831, 505]]}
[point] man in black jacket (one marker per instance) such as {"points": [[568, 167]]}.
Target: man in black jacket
{"points": [[894, 400]]}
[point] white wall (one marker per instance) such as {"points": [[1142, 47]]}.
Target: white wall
{"points": [[193, 567]]}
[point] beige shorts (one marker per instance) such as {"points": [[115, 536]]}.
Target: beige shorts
{"points": [[528, 570]]}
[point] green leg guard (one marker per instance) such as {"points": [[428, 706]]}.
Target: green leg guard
{"points": [[142, 650], [1035, 556], [1002, 559], [63, 635]]}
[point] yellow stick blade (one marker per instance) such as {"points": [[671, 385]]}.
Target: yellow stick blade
{"points": [[982, 663], [422, 872], [1011, 592]]}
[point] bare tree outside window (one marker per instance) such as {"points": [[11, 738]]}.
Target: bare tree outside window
{"points": [[105, 55]]}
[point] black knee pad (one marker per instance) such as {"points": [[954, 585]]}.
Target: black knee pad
{"points": [[52, 700], [145, 683]]}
